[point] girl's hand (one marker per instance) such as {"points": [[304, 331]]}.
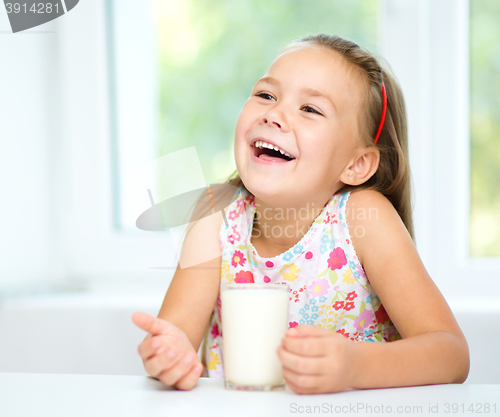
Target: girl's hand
{"points": [[316, 360], [167, 353]]}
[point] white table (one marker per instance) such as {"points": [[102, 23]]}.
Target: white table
{"points": [[58, 395]]}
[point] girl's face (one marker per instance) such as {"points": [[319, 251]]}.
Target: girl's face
{"points": [[307, 105]]}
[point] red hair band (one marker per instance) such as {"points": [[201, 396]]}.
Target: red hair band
{"points": [[384, 110]]}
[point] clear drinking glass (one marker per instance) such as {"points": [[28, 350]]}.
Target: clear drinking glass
{"points": [[254, 321]]}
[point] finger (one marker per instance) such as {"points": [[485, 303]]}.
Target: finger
{"points": [[300, 364], [151, 324], [297, 389], [301, 384], [161, 362], [308, 331], [152, 346], [182, 367], [306, 346], [189, 380]]}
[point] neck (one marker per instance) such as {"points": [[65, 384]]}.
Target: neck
{"points": [[280, 228]]}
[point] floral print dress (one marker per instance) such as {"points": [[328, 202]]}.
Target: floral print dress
{"points": [[328, 287]]}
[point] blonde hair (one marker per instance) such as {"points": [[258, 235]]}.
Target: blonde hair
{"points": [[392, 177]]}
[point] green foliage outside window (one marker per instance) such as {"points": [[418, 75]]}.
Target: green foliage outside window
{"points": [[211, 53], [485, 128]]}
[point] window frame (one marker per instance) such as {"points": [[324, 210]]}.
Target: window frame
{"points": [[96, 254], [436, 87]]}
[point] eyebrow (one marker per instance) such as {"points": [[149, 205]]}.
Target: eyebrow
{"points": [[307, 90]]}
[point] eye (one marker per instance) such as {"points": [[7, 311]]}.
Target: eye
{"points": [[264, 95], [310, 109]]}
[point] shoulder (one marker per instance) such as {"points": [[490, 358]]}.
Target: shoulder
{"points": [[369, 207], [371, 219], [201, 242], [214, 198], [367, 199]]}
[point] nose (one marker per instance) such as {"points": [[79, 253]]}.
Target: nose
{"points": [[275, 117], [266, 120]]}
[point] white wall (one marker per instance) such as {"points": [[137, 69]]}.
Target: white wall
{"points": [[28, 133], [94, 334]]}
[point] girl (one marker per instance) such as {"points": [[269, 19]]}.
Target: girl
{"points": [[324, 205]]}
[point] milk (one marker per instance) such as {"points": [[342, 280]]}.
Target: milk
{"points": [[254, 321]]}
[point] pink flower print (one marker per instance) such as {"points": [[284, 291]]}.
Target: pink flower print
{"points": [[243, 277], [349, 306], [232, 215], [327, 218], [364, 319], [338, 305], [337, 259], [319, 287], [360, 271], [240, 204], [292, 324], [343, 333], [382, 315], [234, 236], [238, 259], [218, 309], [215, 330], [351, 296]]}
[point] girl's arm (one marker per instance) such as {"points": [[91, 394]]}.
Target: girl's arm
{"points": [[433, 349], [169, 351], [193, 292]]}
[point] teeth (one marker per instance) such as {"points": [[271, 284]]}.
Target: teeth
{"points": [[261, 144]]}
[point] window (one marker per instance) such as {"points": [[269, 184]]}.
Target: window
{"points": [[485, 128], [187, 68], [180, 72]]}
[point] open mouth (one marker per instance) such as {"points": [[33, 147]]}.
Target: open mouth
{"points": [[270, 154]]}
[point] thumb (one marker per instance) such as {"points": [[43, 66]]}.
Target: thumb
{"points": [[308, 331], [151, 324]]}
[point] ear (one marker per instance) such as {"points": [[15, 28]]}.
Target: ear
{"points": [[362, 167]]}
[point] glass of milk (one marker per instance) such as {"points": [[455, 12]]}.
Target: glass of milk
{"points": [[254, 321]]}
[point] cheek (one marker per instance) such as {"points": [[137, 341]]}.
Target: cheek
{"points": [[246, 113], [239, 146]]}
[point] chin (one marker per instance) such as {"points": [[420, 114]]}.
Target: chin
{"points": [[254, 187]]}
